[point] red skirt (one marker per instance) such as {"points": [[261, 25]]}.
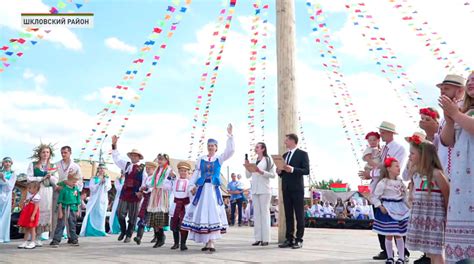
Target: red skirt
{"points": [[25, 216]]}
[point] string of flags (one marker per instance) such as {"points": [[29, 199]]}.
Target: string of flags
{"points": [[30, 36], [221, 22], [346, 110], [387, 60], [255, 38], [107, 114], [432, 39], [263, 66], [211, 88], [156, 59]]}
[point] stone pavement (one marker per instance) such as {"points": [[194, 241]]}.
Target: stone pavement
{"points": [[320, 246]]}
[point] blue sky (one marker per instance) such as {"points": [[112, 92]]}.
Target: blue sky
{"points": [[55, 90]]}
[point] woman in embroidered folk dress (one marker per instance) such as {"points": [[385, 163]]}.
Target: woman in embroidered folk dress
{"points": [[158, 206], [390, 196], [7, 183], [429, 193], [113, 220], [206, 217], [42, 170], [459, 133], [94, 220]]}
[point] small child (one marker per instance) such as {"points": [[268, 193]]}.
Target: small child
{"points": [[430, 194], [392, 214], [150, 168], [69, 200], [29, 216], [372, 153], [182, 194], [426, 114]]}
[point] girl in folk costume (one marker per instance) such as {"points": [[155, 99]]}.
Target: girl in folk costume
{"points": [[7, 183], [94, 220], [30, 215], [150, 168], [181, 192], [459, 133], [372, 153], [206, 218], [429, 194], [261, 194], [42, 170], [390, 196], [113, 221], [159, 199], [428, 114]]}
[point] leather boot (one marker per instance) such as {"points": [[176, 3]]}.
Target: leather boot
{"points": [[138, 238], [184, 237], [176, 239]]}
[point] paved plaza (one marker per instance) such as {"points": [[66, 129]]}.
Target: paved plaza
{"points": [[320, 246]]}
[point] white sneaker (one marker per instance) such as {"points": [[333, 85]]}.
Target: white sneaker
{"points": [[38, 243], [23, 245], [30, 245]]}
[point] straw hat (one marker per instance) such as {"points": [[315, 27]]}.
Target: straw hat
{"points": [[453, 79], [420, 135], [387, 126], [184, 165], [135, 151], [151, 164]]}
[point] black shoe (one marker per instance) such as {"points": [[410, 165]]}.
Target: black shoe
{"points": [[257, 243], [69, 241], [127, 240], [264, 244], [389, 261], [137, 240], [121, 236], [153, 240], [205, 249], [400, 261], [75, 243], [212, 250], [381, 256], [286, 244], [240, 225], [297, 245], [183, 247], [175, 246], [54, 244], [423, 260]]}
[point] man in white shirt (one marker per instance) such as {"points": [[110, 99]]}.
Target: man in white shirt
{"points": [[393, 149], [65, 167]]}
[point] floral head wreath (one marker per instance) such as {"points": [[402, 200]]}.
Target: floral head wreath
{"points": [[429, 112], [415, 139], [375, 134], [388, 162]]}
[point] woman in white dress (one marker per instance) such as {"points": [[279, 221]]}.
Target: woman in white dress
{"points": [[7, 183], [44, 171], [113, 220], [206, 218], [261, 194], [94, 220]]}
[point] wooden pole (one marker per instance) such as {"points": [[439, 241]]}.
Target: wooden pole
{"points": [[287, 118]]}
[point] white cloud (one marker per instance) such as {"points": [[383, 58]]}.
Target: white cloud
{"points": [[105, 94], [116, 44], [39, 79], [10, 18]]}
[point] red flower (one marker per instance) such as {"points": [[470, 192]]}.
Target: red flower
{"points": [[429, 112], [415, 139], [388, 161]]}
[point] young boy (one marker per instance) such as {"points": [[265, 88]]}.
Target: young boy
{"points": [[150, 168], [69, 201], [181, 194]]}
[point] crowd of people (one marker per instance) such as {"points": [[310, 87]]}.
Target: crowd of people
{"points": [[357, 209], [433, 213]]}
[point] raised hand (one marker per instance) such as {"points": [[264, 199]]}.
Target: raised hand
{"points": [[229, 129], [449, 107], [114, 140]]}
